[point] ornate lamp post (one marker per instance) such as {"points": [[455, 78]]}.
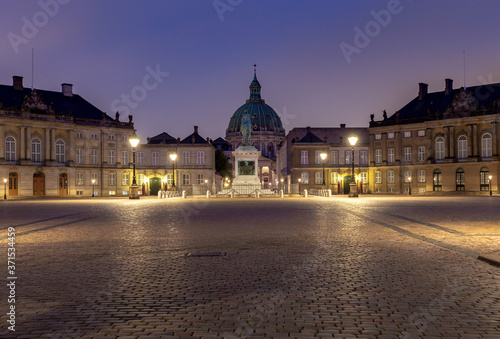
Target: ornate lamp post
{"points": [[4, 189], [134, 141], [489, 182], [93, 185], [323, 157], [300, 180], [409, 185], [353, 188], [173, 156]]}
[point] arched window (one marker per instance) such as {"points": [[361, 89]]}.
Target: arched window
{"points": [[270, 149], [10, 149], [462, 147], [484, 179], [36, 150], [60, 151], [486, 146], [437, 180], [460, 179], [439, 148]]}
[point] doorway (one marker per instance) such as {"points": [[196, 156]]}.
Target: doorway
{"points": [[63, 184], [38, 183]]}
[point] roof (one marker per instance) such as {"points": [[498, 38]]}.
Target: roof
{"points": [[451, 103], [334, 135], [61, 104], [194, 138], [221, 144], [163, 139], [310, 138]]}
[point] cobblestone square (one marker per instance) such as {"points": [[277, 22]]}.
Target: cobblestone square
{"points": [[371, 267]]}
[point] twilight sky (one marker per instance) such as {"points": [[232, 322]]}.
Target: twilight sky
{"points": [[175, 64]]}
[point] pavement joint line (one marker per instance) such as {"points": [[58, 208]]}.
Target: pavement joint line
{"points": [[48, 227], [421, 237], [445, 229], [43, 220]]}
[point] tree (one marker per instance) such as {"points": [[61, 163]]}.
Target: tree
{"points": [[222, 165]]}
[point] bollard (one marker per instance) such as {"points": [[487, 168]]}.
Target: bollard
{"points": [[305, 193], [232, 194], [257, 193], [329, 193], [183, 194], [208, 194], [281, 193]]}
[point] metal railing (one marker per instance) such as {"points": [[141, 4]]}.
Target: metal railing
{"points": [[320, 192]]}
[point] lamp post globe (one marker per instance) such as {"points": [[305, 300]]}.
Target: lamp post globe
{"points": [[173, 156], [134, 141], [489, 182], [409, 185], [4, 189], [93, 186], [323, 158], [353, 188]]}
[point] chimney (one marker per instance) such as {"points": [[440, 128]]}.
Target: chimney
{"points": [[17, 83], [422, 90], [448, 86], [67, 90], [196, 129], [342, 125]]}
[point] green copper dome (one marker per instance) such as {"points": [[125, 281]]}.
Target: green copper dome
{"points": [[264, 118]]}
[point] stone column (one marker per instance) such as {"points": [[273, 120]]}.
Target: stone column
{"points": [[2, 142], [452, 142], [430, 145], [46, 155], [474, 140], [52, 145], [469, 137], [494, 140], [28, 143], [23, 143], [446, 143], [372, 147]]}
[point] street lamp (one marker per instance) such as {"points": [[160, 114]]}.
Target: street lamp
{"points": [[323, 157], [4, 189], [353, 189], [489, 182], [300, 180], [93, 190], [134, 141], [409, 185], [173, 156]]}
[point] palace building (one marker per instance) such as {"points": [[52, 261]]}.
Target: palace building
{"points": [[267, 132], [443, 141]]}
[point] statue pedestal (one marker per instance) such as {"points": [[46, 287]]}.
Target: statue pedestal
{"points": [[246, 167]]}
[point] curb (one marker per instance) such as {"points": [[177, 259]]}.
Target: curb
{"points": [[491, 258]]}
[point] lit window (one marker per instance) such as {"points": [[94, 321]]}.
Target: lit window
{"points": [[348, 156], [484, 179], [93, 178], [112, 179], [79, 178], [378, 156], [407, 176], [305, 177], [421, 176], [334, 177], [378, 177], [421, 153], [318, 178], [200, 179], [390, 155], [364, 177], [390, 177], [125, 179]]}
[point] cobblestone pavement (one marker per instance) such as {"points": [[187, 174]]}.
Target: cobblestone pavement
{"points": [[372, 267]]}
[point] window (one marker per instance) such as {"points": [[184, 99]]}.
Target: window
{"points": [[124, 138], [334, 177], [186, 158], [93, 156], [140, 179], [112, 179], [140, 158], [185, 179], [79, 179], [317, 158], [407, 176], [124, 192], [125, 179], [484, 179], [79, 192], [93, 178], [363, 157], [462, 147], [155, 159], [111, 137], [93, 136], [60, 151], [378, 177], [111, 157], [111, 192], [169, 179], [364, 177], [378, 156], [390, 155], [437, 180], [79, 135], [318, 178], [334, 157], [390, 135], [390, 177], [124, 158], [36, 150], [439, 148], [200, 158], [200, 179], [407, 153], [348, 157], [407, 134], [79, 156], [303, 157], [421, 133], [460, 180], [305, 177], [421, 153], [486, 146], [421, 176], [378, 136]]}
